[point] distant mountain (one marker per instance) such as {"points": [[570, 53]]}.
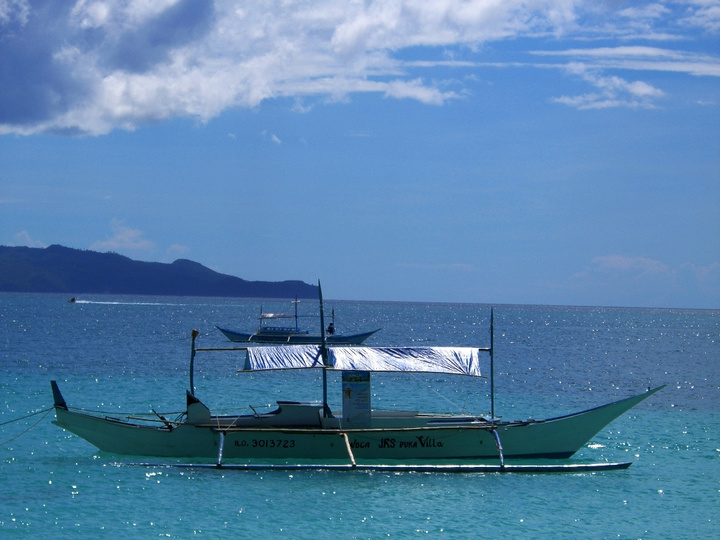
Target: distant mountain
{"points": [[59, 269]]}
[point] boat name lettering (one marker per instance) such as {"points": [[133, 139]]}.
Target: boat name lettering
{"points": [[418, 442], [357, 444], [429, 442], [408, 444], [387, 443], [267, 443]]}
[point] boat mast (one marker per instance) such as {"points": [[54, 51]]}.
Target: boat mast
{"points": [[194, 334], [492, 364], [323, 352], [296, 302]]}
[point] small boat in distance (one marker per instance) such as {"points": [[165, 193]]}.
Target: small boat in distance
{"points": [[274, 335], [300, 435], [288, 335]]}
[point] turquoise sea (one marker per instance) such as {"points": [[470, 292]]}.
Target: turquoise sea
{"points": [[131, 354]]}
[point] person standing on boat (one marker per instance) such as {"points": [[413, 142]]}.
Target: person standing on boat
{"points": [[331, 329]]}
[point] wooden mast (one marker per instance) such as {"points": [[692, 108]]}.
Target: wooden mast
{"points": [[323, 352], [492, 364], [194, 334]]}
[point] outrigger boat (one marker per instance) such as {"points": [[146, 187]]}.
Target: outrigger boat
{"points": [[301, 435], [276, 335], [287, 335]]}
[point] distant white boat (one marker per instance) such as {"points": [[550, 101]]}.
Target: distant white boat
{"points": [[287, 335], [283, 335]]}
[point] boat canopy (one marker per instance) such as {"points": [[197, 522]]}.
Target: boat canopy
{"points": [[451, 360]]}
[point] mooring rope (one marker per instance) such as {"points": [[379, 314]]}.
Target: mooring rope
{"points": [[46, 411], [26, 416]]}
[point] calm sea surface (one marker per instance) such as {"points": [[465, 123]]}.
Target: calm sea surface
{"points": [[130, 354]]}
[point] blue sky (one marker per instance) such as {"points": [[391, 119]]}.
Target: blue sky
{"points": [[547, 152]]}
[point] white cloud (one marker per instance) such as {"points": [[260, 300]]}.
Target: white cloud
{"points": [[175, 251], [612, 91], [417, 90], [124, 239], [705, 15], [271, 137], [107, 64], [641, 58], [23, 239], [650, 11], [635, 265], [14, 10], [649, 281], [616, 52], [455, 267]]}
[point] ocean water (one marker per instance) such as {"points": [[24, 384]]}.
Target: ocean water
{"points": [[131, 354]]}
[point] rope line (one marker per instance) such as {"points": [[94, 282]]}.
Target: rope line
{"points": [[115, 414], [46, 411], [26, 416]]}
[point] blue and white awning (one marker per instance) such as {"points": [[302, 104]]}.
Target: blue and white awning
{"points": [[452, 360]]}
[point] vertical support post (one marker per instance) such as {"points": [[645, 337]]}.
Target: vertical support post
{"points": [[499, 447], [297, 328], [194, 334], [221, 445], [323, 352], [349, 449], [492, 364]]}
